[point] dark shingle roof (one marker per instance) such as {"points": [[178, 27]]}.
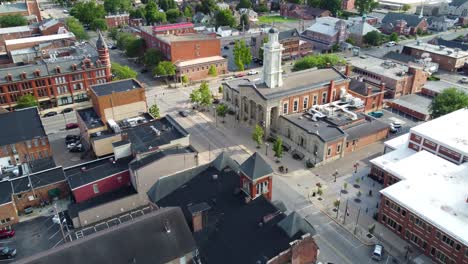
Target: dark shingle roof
{"points": [[451, 43], [20, 125], [361, 87], [39, 179], [288, 34], [400, 57], [101, 43], [365, 128], [5, 192], [115, 87], [256, 167], [412, 20], [143, 240]]}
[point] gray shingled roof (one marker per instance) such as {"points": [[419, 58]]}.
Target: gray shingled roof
{"points": [[142, 240], [13, 7], [256, 167], [5, 192], [20, 125], [412, 20], [288, 34], [115, 87]]}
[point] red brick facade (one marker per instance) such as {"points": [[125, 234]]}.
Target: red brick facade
{"points": [[117, 20], [302, 251], [201, 71], [255, 187], [347, 5], [28, 150], [39, 195], [104, 185], [8, 214]]}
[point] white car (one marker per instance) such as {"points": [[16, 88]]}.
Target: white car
{"points": [[65, 11], [378, 252], [56, 219], [252, 72], [228, 78], [391, 44], [464, 80]]}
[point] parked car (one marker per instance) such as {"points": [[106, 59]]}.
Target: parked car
{"points": [[393, 129], [377, 254], [225, 56], [71, 126], [228, 78], [113, 47], [4, 233], [391, 43], [7, 252], [28, 210], [376, 114], [463, 80], [226, 47], [51, 113], [65, 11], [72, 139], [184, 113], [66, 110], [252, 72], [239, 75], [56, 219], [77, 148], [232, 43], [396, 124], [216, 101]]}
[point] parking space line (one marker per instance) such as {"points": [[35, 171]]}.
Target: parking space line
{"points": [[54, 234], [58, 243]]}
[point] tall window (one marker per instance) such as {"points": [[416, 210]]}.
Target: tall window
{"points": [[315, 100], [95, 188], [338, 148], [295, 105], [324, 98], [305, 103], [285, 108]]}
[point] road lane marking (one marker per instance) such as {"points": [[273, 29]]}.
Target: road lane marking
{"points": [[347, 240], [54, 234], [335, 249]]}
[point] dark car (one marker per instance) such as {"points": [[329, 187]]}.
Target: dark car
{"points": [[232, 43], [226, 47], [51, 113], [113, 47], [71, 126], [6, 233], [66, 110], [72, 139], [7, 252], [184, 113], [77, 148], [144, 71]]}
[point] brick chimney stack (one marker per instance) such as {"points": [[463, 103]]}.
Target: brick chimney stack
{"points": [[369, 91], [330, 91], [348, 70]]}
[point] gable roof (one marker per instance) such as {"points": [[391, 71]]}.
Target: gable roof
{"points": [[256, 167], [143, 240], [20, 125], [411, 20], [292, 33]]}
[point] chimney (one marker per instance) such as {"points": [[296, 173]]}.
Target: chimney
{"points": [[382, 87], [330, 91], [369, 91], [347, 70], [197, 221]]}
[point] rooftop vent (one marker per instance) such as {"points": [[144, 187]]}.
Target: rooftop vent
{"points": [[167, 226], [156, 131], [83, 169], [214, 177]]}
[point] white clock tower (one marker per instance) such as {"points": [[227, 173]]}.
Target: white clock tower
{"points": [[272, 71]]}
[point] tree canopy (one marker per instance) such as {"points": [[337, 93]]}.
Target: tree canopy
{"points": [[27, 100], [154, 111], [121, 72], [406, 7], [365, 6], [374, 38], [87, 12], [242, 55], [99, 23], [333, 6], [202, 96], [225, 18], [244, 4], [164, 69], [319, 61], [207, 6], [257, 135], [12, 21], [137, 12], [135, 48], [153, 15], [152, 57], [449, 100], [114, 6], [172, 15], [212, 71], [76, 28], [167, 4], [188, 12], [124, 39], [278, 147], [244, 22]]}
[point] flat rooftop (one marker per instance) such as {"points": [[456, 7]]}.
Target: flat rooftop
{"points": [[8, 7], [144, 137], [199, 61], [148, 159], [186, 37], [392, 157], [450, 130], [39, 179], [67, 35], [440, 86], [380, 67], [9, 30], [116, 87], [362, 87], [294, 82], [86, 173], [448, 52], [434, 189], [90, 117], [322, 129], [397, 142], [414, 102], [21, 125]]}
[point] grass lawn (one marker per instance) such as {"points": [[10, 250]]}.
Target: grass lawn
{"points": [[275, 19]]}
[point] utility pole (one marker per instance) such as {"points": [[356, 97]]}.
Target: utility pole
{"points": [[346, 212], [357, 219], [60, 223]]}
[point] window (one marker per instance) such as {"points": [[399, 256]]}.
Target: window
{"points": [[333, 95], [28, 143], [441, 256], [447, 240], [329, 151], [338, 148], [13, 148], [36, 142], [403, 212], [95, 188], [391, 223], [415, 239], [44, 141], [315, 100], [285, 108], [457, 247], [305, 103], [295, 105], [324, 97]]}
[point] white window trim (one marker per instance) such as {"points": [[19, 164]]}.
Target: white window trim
{"points": [[305, 102], [296, 105], [287, 108]]}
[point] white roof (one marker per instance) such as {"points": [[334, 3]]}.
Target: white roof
{"points": [[448, 52], [378, 66], [40, 38], [392, 157], [213, 59], [9, 30], [397, 142], [434, 189], [450, 131], [325, 25], [360, 28]]}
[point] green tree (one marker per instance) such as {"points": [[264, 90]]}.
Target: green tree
{"points": [[295, 1], [336, 203], [365, 6], [124, 39], [449, 100], [87, 12], [152, 57], [76, 28], [319, 61], [114, 6], [261, 8], [221, 110], [333, 6], [173, 15], [350, 41], [12, 21], [188, 12], [208, 6], [257, 135], [242, 55], [154, 111], [225, 18], [153, 15], [98, 23], [167, 4], [212, 71], [373, 38], [314, 3], [206, 99], [244, 4], [195, 96], [406, 7], [113, 33], [278, 147], [244, 22], [185, 79], [137, 13], [393, 37], [135, 48], [220, 89], [121, 72], [27, 100], [319, 191], [165, 69]]}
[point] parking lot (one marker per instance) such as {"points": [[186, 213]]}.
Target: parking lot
{"points": [[406, 121]]}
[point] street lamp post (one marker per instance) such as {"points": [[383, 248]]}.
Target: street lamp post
{"points": [[335, 174], [266, 149]]}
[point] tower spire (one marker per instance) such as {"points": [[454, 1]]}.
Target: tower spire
{"points": [[100, 43], [272, 71]]}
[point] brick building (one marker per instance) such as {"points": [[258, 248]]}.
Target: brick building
{"points": [[450, 59], [61, 76], [304, 12], [25, 139], [399, 79], [13, 33], [326, 32], [291, 41], [28, 9], [50, 26], [424, 195], [347, 5], [192, 53], [8, 212], [117, 20], [58, 40], [403, 24]]}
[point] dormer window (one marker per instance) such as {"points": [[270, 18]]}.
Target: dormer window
{"points": [[37, 73], [23, 76], [9, 77], [57, 69], [74, 67]]}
